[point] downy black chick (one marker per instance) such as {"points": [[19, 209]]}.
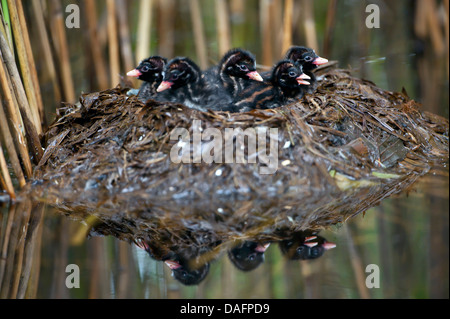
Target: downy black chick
{"points": [[286, 85], [150, 71]]}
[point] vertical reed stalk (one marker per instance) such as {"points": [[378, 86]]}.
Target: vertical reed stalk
{"points": [[199, 33], [62, 50], [113, 44], [6, 182], [287, 25], [223, 27], [100, 67], [25, 67], [124, 35], [434, 27], [446, 28], [329, 27], [166, 19], [4, 269], [38, 15], [31, 63], [266, 32], [31, 242], [9, 143], [357, 265], [276, 14], [6, 23], [310, 24], [16, 109], [144, 31]]}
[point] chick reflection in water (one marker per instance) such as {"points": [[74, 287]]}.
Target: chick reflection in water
{"points": [[305, 245], [187, 270]]}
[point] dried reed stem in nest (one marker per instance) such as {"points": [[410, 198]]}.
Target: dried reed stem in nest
{"points": [[199, 33], [223, 27], [144, 32], [25, 67], [113, 43], [97, 56]]}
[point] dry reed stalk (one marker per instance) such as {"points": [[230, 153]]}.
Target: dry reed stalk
{"points": [[420, 23], [62, 51], [38, 15], [31, 62], [357, 265], [97, 56], [199, 33], [31, 292], [113, 45], [24, 214], [4, 248], [124, 264], [9, 143], [329, 27], [166, 30], [5, 25], [17, 111], [287, 25], [434, 27], [223, 27], [266, 31], [6, 182], [144, 32], [277, 35], [310, 24], [124, 35], [447, 35], [30, 243], [28, 85]]}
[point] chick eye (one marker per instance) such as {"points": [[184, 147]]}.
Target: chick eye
{"points": [[243, 67], [174, 76], [145, 68], [308, 58], [292, 74]]}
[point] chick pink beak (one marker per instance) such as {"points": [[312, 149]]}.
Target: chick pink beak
{"points": [[262, 248], [328, 245], [255, 76], [301, 79], [172, 264], [310, 238], [134, 73], [164, 86], [320, 61], [311, 244]]}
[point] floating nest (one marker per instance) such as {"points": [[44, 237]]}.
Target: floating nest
{"points": [[339, 152]]}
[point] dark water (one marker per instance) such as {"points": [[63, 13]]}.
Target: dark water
{"points": [[406, 237]]}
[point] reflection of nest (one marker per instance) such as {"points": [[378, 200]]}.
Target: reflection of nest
{"points": [[340, 152]]}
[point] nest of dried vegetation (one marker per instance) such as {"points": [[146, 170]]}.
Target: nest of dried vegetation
{"points": [[340, 152]]}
